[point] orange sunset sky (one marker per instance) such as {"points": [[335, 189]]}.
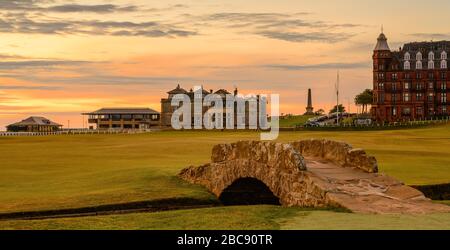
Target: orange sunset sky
{"points": [[61, 58]]}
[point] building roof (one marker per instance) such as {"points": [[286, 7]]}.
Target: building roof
{"points": [[382, 43], [134, 111], [177, 90], [35, 120], [222, 92]]}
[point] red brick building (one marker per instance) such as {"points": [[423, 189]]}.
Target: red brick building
{"points": [[411, 83]]}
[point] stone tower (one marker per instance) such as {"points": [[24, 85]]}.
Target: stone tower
{"points": [[309, 108]]}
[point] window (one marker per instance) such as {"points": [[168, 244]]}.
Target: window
{"points": [[380, 85], [443, 86], [394, 76], [407, 56], [430, 75], [419, 65], [444, 55], [418, 56], [443, 97], [381, 67], [418, 76], [419, 96], [407, 85], [381, 76], [431, 56], [430, 64], [394, 98], [430, 97], [444, 109], [419, 110], [419, 86], [430, 85], [406, 97], [407, 76], [394, 111], [406, 111], [407, 65], [443, 64], [443, 75], [394, 86]]}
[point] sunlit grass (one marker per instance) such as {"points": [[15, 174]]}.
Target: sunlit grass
{"points": [[54, 172]]}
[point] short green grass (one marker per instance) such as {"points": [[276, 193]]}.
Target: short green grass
{"points": [[53, 172], [239, 218], [82, 170], [294, 120]]}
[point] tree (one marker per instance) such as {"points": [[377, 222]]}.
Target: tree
{"points": [[341, 109], [320, 112], [364, 99]]}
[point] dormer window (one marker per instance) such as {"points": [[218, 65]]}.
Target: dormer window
{"points": [[431, 56], [407, 56], [407, 65], [443, 64], [419, 56], [419, 65], [431, 64], [444, 55]]}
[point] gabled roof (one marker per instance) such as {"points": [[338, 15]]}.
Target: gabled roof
{"points": [[35, 120], [177, 90], [134, 111], [222, 92]]}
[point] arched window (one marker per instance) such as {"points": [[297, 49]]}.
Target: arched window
{"points": [[444, 55], [443, 64], [431, 56], [419, 65], [418, 56], [407, 56], [407, 65], [430, 64]]}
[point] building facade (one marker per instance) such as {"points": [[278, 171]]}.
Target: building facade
{"points": [[411, 83], [34, 124], [167, 109], [123, 118]]}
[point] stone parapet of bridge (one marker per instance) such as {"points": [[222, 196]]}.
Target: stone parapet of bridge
{"points": [[307, 173]]}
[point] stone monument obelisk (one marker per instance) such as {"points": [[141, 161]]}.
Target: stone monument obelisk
{"points": [[309, 108]]}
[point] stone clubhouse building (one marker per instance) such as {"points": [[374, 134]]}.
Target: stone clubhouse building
{"points": [[411, 83], [167, 109]]}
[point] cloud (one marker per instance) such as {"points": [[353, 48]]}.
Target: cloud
{"points": [[319, 66], [36, 5], [23, 87], [431, 36], [14, 65], [307, 36], [101, 8], [281, 26], [100, 79], [23, 23]]}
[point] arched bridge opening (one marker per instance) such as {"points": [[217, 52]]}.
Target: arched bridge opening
{"points": [[248, 191]]}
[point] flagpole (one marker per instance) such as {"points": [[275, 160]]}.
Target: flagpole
{"points": [[337, 99]]}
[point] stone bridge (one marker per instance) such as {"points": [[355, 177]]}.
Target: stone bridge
{"points": [[307, 173]]}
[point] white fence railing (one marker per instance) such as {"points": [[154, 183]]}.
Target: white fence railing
{"points": [[77, 132]]}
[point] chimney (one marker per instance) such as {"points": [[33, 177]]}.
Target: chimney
{"points": [[235, 91], [210, 91]]}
